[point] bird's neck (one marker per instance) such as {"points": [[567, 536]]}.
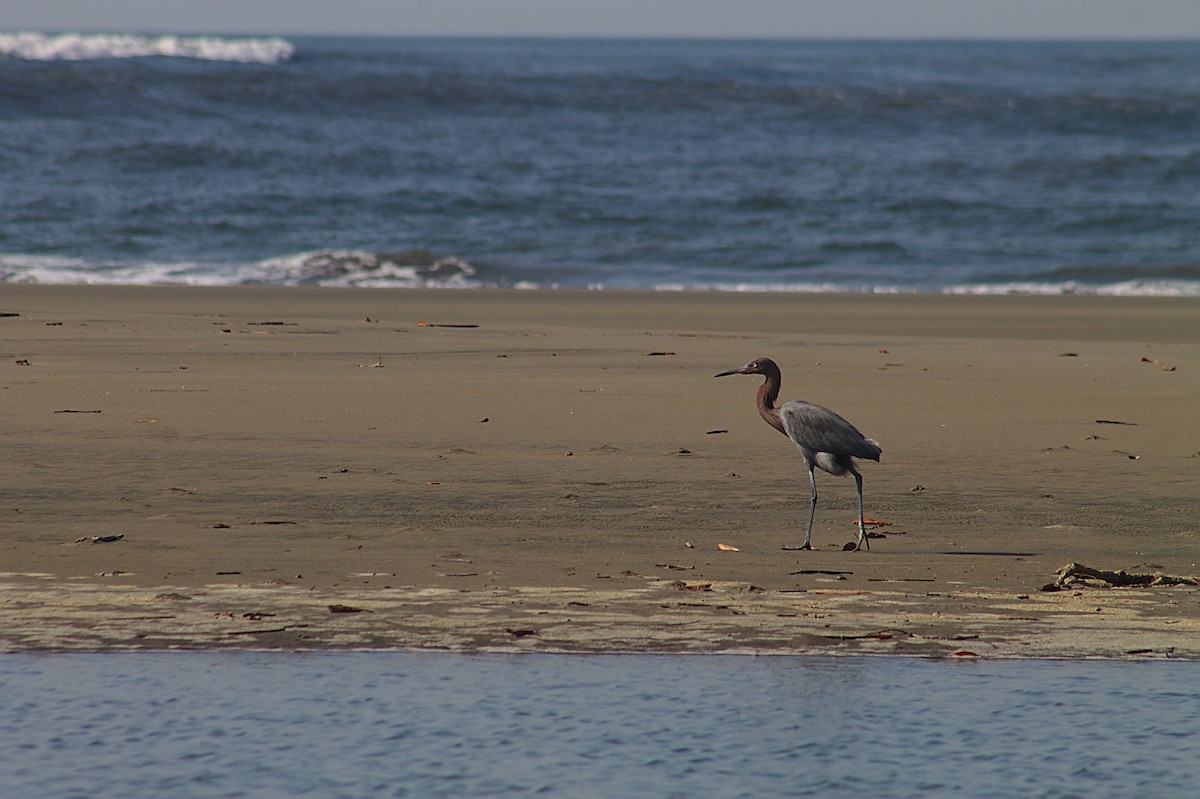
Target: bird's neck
{"points": [[768, 392]]}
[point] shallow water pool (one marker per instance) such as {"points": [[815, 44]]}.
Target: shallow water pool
{"points": [[415, 724]]}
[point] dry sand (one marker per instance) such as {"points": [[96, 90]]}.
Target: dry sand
{"points": [[558, 476]]}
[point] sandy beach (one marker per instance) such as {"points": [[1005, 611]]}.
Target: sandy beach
{"points": [[554, 471]]}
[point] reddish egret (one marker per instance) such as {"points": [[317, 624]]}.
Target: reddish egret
{"points": [[825, 440]]}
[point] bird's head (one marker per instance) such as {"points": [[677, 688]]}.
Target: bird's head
{"points": [[759, 366]]}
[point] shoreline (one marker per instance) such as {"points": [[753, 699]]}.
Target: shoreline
{"points": [[1147, 319], [551, 479]]}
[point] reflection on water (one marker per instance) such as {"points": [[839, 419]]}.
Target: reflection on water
{"points": [[413, 724]]}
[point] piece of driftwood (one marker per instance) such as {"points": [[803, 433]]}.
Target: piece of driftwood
{"points": [[1077, 574]]}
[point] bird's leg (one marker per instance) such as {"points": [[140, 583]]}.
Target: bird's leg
{"points": [[812, 509], [812, 512], [862, 528]]}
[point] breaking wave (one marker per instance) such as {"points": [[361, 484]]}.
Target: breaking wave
{"points": [[411, 269], [422, 269], [33, 46], [1122, 288]]}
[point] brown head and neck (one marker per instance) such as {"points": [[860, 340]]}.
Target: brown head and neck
{"points": [[768, 392]]}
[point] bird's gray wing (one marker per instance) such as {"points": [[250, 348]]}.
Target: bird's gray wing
{"points": [[821, 430]]}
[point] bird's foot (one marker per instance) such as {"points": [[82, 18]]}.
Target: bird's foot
{"points": [[797, 548]]}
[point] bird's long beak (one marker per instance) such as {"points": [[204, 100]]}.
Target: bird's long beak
{"points": [[741, 370]]}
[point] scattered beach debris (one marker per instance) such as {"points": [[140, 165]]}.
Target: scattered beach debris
{"points": [[881, 352], [727, 548], [831, 572], [680, 585], [273, 324], [346, 609], [879, 635], [267, 631], [275, 521], [439, 324], [226, 574], [8, 314], [22, 362], [73, 410], [1114, 421], [484, 420], [873, 522], [917, 488], [377, 365], [1068, 355], [1164, 366], [98, 539], [1076, 574], [519, 632], [659, 353], [715, 432]]}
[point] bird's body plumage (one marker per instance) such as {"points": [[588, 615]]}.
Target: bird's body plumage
{"points": [[826, 441], [825, 438]]}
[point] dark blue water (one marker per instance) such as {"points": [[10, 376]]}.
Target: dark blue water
{"points": [[932, 166], [425, 725]]}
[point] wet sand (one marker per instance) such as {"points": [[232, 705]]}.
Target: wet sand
{"points": [[554, 471]]}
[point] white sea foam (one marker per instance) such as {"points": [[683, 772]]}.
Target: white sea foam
{"points": [[418, 269], [412, 269], [322, 268], [34, 46], [1125, 288], [55, 270], [742, 287]]}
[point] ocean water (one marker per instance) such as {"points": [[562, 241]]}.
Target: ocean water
{"points": [[196, 724], [933, 166]]}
